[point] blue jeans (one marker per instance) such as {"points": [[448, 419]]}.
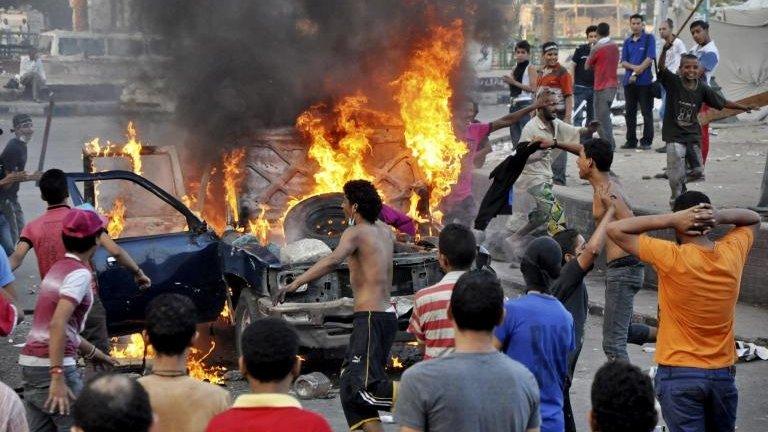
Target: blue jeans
{"points": [[36, 381], [622, 282], [581, 94], [701, 400], [516, 129], [6, 237]]}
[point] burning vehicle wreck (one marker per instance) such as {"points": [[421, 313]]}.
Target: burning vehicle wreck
{"points": [[233, 270]]}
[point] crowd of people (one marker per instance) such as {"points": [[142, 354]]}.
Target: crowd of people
{"points": [[490, 363]]}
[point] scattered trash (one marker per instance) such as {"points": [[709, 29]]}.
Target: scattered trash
{"points": [[747, 351], [314, 385], [649, 349]]}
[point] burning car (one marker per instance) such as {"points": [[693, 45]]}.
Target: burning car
{"points": [[182, 254]]}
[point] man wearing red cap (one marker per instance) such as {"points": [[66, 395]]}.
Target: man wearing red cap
{"points": [[43, 234], [48, 359]]}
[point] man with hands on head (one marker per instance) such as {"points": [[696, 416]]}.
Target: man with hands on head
{"points": [[699, 282]]}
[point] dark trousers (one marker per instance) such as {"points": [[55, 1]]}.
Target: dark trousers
{"points": [[581, 94], [639, 95], [701, 400]]}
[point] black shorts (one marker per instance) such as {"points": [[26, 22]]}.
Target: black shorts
{"points": [[365, 386]]}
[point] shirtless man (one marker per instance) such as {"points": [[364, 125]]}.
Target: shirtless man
{"points": [[368, 246], [625, 273]]}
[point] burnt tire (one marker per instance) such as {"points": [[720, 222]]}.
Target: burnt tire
{"points": [[246, 311]]}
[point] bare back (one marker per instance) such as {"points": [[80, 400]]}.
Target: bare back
{"points": [[612, 250], [370, 266]]}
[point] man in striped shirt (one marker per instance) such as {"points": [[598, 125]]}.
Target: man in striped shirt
{"points": [[429, 321]]}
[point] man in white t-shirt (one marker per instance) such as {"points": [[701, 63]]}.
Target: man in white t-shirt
{"points": [[706, 51]]}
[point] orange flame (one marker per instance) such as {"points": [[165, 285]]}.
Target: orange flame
{"points": [[116, 218], [395, 363], [199, 371], [259, 227], [343, 161], [131, 149], [196, 367], [133, 350], [233, 175], [424, 92]]}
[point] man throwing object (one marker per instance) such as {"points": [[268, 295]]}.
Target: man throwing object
{"points": [[368, 246]]}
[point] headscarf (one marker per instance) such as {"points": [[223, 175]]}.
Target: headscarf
{"points": [[540, 264]]}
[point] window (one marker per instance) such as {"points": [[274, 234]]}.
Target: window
{"points": [[130, 209]]}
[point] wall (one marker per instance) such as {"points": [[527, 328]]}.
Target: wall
{"points": [[754, 288]]}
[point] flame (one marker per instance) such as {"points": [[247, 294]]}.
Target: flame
{"points": [[196, 367], [395, 363], [341, 161], [134, 349], [424, 92], [116, 218], [199, 371], [233, 175], [259, 227], [131, 149]]}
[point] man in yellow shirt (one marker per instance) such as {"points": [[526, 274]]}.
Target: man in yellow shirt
{"points": [[699, 282]]}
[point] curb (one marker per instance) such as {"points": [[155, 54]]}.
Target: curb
{"points": [[598, 309], [63, 109]]}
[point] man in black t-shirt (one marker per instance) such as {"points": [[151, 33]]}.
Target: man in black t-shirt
{"points": [[583, 80], [13, 159], [681, 130]]}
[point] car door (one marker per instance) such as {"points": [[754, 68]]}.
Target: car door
{"points": [[170, 244]]}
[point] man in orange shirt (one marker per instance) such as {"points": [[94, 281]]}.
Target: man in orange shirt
{"points": [[699, 283]]}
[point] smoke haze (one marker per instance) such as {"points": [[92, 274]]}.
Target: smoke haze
{"points": [[244, 64]]}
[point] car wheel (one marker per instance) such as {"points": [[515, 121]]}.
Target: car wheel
{"points": [[246, 312]]}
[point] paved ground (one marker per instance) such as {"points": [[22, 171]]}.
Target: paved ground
{"points": [[68, 134], [734, 169]]}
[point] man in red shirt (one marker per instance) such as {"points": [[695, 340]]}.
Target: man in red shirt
{"points": [[429, 321], [270, 362], [604, 59], [43, 234]]}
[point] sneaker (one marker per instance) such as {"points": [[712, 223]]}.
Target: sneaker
{"points": [[661, 175], [662, 149], [695, 177], [645, 147], [628, 146]]}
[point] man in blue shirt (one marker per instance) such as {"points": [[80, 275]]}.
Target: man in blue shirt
{"points": [[636, 58], [538, 331]]}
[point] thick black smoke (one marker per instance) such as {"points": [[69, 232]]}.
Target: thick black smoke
{"points": [[244, 64]]}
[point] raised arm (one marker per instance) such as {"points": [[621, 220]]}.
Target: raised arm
{"points": [[347, 246], [512, 118], [596, 243], [693, 221], [738, 217], [125, 260]]}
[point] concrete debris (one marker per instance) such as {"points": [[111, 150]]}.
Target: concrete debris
{"points": [[303, 251], [748, 351]]}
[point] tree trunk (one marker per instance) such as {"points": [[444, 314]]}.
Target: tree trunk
{"points": [[548, 21]]}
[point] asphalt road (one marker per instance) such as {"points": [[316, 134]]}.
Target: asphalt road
{"points": [[67, 136]]}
